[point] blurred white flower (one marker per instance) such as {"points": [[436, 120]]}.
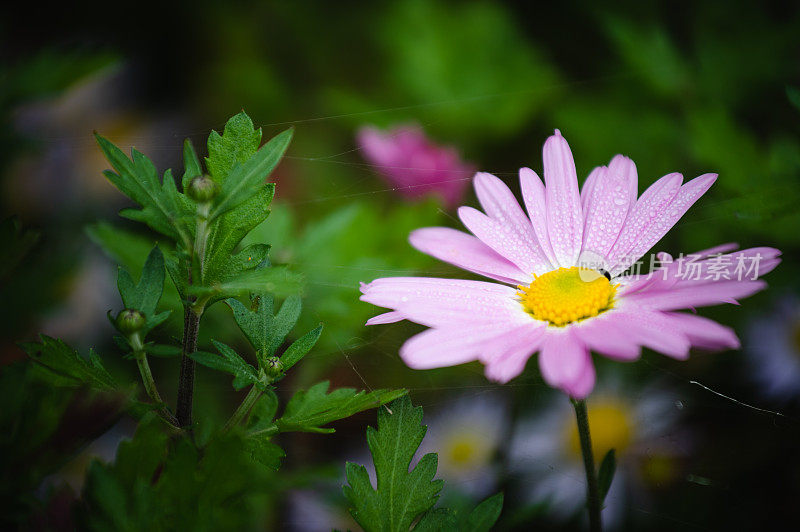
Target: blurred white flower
{"points": [[545, 450], [773, 350], [466, 435]]}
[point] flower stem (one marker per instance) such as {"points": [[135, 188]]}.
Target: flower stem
{"points": [[248, 402], [592, 490], [191, 327], [148, 381]]}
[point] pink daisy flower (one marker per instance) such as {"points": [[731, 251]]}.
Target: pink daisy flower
{"points": [[414, 165], [559, 287]]}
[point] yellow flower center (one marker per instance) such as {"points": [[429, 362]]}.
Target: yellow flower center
{"points": [[463, 451], [566, 295], [611, 427]]}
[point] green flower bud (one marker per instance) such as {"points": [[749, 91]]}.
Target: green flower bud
{"points": [[273, 367], [202, 189], [130, 321]]}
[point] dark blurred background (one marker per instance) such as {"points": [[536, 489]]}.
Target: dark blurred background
{"points": [[692, 87]]}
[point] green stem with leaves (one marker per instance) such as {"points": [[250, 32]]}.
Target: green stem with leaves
{"points": [[592, 486], [247, 404]]}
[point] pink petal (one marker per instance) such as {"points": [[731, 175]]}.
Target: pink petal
{"points": [[654, 330], [450, 346], [563, 362], [589, 184], [643, 212], [533, 194], [445, 302], [503, 240], [466, 252], [506, 361], [687, 195], [605, 336], [501, 205], [696, 296], [607, 207], [564, 215], [705, 333], [386, 317]]}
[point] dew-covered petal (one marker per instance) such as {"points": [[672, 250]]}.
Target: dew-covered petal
{"points": [[445, 302], [564, 214], [607, 207], [687, 195], [534, 197], [467, 252], [646, 209], [563, 362], [504, 240], [500, 205], [589, 184]]}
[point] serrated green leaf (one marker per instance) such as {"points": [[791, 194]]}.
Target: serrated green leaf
{"points": [[191, 164], [300, 347], [246, 179], [605, 474], [239, 141], [230, 362], [67, 366], [161, 205], [402, 494], [277, 280], [310, 410], [485, 515]]}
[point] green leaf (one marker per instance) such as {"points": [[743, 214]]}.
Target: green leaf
{"points": [[163, 208], [265, 452], [256, 323], [191, 164], [145, 294], [229, 362], [606, 473], [245, 180], [278, 280], [485, 515], [67, 366], [263, 411], [300, 348], [239, 141], [284, 321], [122, 246], [438, 520], [309, 410], [401, 494]]}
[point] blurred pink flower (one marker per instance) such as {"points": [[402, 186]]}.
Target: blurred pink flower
{"points": [[414, 165], [563, 263]]}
